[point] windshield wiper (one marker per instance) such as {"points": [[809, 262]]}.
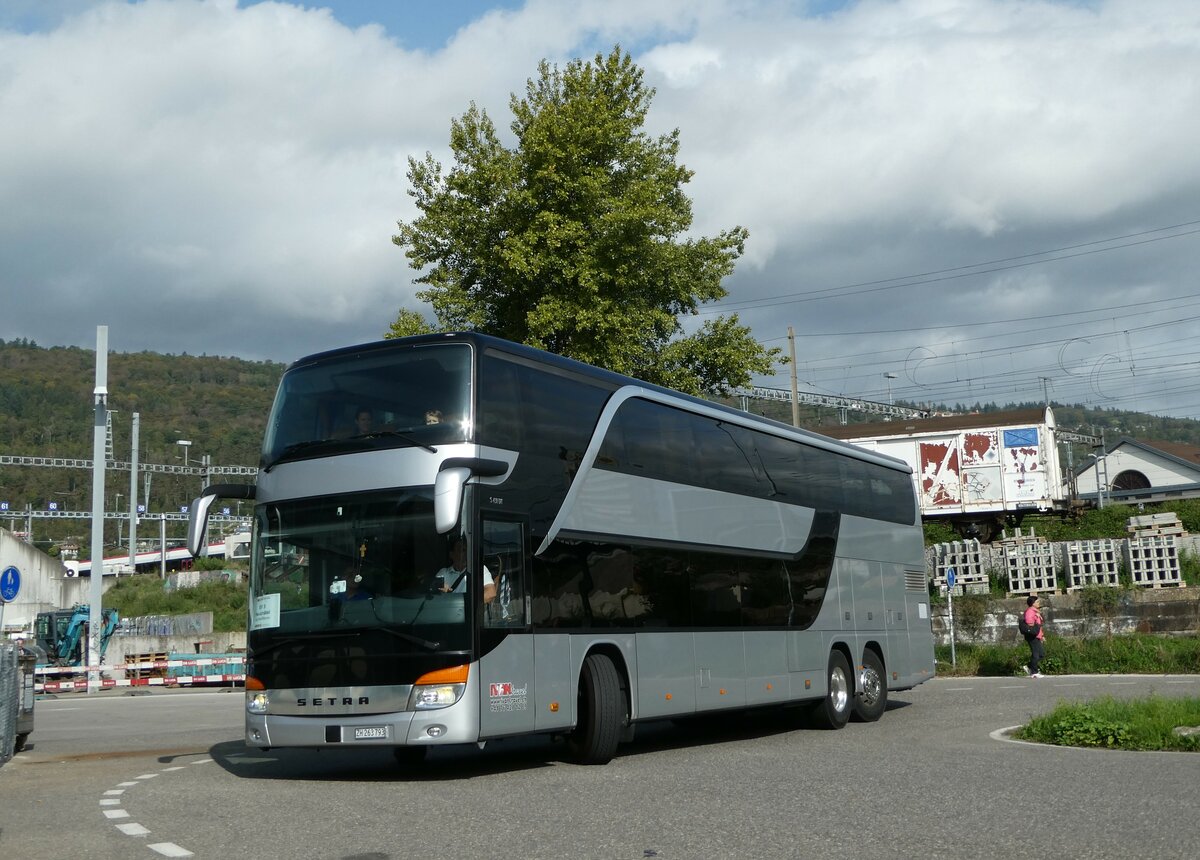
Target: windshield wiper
{"points": [[408, 637], [291, 640], [380, 434], [300, 447]]}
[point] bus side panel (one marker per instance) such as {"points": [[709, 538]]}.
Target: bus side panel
{"points": [[808, 655], [666, 673], [720, 670], [506, 701], [917, 616], [555, 681], [766, 666]]}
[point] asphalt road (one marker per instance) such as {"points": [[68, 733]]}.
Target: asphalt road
{"points": [[166, 774]]}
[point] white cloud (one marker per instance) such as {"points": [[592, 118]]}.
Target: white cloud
{"points": [[184, 161]]}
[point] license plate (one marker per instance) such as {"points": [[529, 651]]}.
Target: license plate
{"points": [[365, 733]]}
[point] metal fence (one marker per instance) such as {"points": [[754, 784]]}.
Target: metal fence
{"points": [[10, 698]]}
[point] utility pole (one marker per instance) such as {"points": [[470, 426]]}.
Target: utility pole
{"points": [[99, 437], [795, 389], [133, 495]]}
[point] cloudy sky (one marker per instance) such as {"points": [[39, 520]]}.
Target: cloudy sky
{"points": [[949, 200]]}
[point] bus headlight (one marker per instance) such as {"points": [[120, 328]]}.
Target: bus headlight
{"points": [[429, 697], [258, 703], [439, 689]]}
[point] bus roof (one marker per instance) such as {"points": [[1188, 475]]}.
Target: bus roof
{"points": [[484, 341]]}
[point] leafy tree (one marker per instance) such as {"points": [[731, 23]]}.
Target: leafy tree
{"points": [[571, 241], [406, 324]]}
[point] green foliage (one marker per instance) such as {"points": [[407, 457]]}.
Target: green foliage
{"points": [[1143, 724], [937, 531], [146, 595], [1099, 604], [572, 240], [1135, 653], [1189, 568], [220, 404], [406, 324], [970, 610]]}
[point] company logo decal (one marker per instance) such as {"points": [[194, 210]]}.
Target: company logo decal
{"points": [[505, 696]]}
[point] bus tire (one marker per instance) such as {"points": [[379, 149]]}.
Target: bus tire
{"points": [[601, 712], [833, 711], [871, 700]]}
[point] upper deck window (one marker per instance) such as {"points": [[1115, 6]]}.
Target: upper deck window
{"points": [[378, 398]]}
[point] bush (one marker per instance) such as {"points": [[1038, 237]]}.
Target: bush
{"points": [[1129, 654], [1146, 724], [970, 610], [145, 594], [1099, 604]]}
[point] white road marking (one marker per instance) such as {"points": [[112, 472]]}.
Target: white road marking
{"points": [[169, 769], [110, 801], [115, 813], [170, 849], [132, 829], [146, 776]]}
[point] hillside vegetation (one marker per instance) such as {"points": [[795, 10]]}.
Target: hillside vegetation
{"points": [[46, 410]]}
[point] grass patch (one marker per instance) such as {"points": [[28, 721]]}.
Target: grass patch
{"points": [[1140, 724], [145, 595], [1127, 654]]}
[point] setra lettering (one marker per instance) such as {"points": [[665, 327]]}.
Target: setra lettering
{"points": [[317, 701]]}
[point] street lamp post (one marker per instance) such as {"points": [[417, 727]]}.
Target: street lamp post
{"points": [[185, 444], [889, 377]]}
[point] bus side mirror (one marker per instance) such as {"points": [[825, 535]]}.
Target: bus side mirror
{"points": [[448, 486], [447, 497], [198, 512], [198, 523]]}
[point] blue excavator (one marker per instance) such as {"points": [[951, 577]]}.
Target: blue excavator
{"points": [[62, 633]]}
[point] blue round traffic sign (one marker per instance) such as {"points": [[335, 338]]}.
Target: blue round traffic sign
{"points": [[10, 584]]}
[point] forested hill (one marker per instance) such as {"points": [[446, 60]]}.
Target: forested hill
{"points": [[46, 410]]}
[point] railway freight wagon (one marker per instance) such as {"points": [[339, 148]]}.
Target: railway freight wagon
{"points": [[976, 472]]}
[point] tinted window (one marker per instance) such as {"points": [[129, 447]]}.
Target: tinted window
{"points": [[658, 441]]}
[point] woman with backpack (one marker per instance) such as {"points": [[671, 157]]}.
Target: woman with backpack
{"points": [[1032, 628]]}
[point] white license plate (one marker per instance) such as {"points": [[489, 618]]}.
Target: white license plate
{"points": [[364, 733]]}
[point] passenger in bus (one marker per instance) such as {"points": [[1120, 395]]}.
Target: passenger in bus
{"points": [[454, 576], [363, 424], [349, 586]]}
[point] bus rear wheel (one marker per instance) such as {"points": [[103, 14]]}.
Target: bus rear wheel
{"points": [[601, 712], [871, 700], [833, 712]]}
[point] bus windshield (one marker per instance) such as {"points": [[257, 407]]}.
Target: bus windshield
{"points": [[366, 562], [376, 398]]}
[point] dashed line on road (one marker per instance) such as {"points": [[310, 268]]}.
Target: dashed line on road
{"points": [[114, 797]]}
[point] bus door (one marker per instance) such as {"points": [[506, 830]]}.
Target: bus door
{"points": [[507, 665]]}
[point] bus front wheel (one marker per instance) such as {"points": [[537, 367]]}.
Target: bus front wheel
{"points": [[871, 700], [601, 712], [833, 712]]}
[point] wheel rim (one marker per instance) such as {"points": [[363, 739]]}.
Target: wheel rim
{"points": [[839, 690], [872, 687]]}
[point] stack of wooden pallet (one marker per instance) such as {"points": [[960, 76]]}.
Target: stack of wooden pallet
{"points": [[1156, 525]]}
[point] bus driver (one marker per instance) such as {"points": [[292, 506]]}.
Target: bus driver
{"points": [[454, 575]]}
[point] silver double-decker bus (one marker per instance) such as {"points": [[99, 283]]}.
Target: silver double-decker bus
{"points": [[457, 539]]}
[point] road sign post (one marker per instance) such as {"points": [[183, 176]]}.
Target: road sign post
{"points": [[950, 578], [10, 587]]}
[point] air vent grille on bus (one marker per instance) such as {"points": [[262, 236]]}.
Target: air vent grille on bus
{"points": [[914, 580]]}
